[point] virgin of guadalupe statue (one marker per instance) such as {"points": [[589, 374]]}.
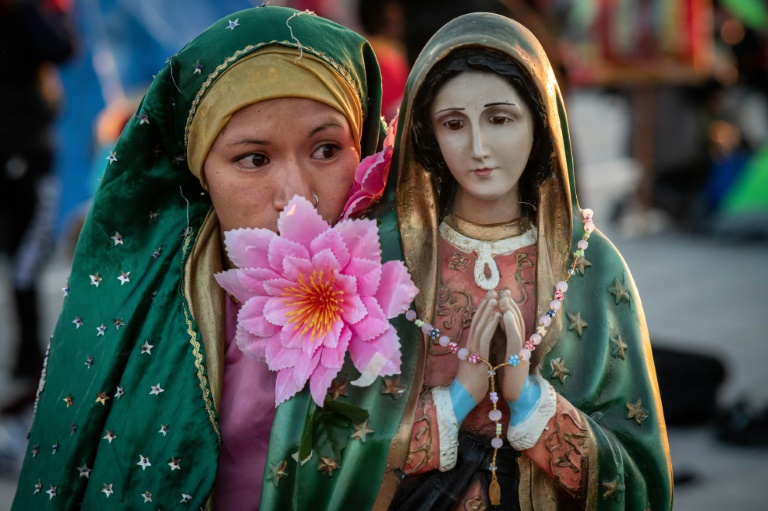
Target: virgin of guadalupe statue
{"points": [[496, 241]]}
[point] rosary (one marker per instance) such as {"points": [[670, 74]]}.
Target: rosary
{"points": [[494, 490]]}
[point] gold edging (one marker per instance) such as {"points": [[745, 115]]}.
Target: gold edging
{"points": [[199, 365]]}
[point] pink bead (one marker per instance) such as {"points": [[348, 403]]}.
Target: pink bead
{"points": [[525, 354], [463, 353], [495, 415], [545, 320], [494, 397], [530, 346], [453, 347], [582, 244], [497, 443], [555, 304], [410, 315], [587, 212], [589, 227], [562, 286], [535, 339], [444, 340], [426, 328]]}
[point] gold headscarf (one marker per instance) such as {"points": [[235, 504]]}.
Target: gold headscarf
{"points": [[271, 73]]}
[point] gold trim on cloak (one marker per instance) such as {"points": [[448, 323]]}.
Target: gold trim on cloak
{"points": [[205, 300]]}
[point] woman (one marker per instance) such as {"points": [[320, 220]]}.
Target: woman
{"points": [[145, 398], [489, 220]]}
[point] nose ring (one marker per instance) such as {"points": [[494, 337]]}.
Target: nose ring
{"points": [[317, 200]]}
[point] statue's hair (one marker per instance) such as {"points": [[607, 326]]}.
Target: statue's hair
{"points": [[427, 151]]}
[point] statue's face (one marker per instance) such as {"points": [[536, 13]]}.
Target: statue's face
{"points": [[270, 151], [485, 133]]}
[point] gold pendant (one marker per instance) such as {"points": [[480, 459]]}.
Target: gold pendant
{"points": [[494, 492]]}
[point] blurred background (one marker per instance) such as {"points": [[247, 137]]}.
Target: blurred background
{"points": [[668, 110]]}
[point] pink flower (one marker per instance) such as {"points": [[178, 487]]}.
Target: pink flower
{"points": [[313, 293], [371, 177]]}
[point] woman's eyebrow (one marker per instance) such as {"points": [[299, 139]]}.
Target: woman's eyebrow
{"points": [[325, 126], [251, 141]]}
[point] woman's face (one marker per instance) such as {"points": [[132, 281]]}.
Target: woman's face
{"points": [[275, 149], [485, 133]]}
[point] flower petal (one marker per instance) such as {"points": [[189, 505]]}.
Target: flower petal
{"points": [[300, 222], [251, 318], [230, 281], [276, 310], [277, 287], [304, 367], [295, 266], [329, 340], [279, 357], [397, 290], [368, 274], [320, 381], [253, 279], [248, 247], [253, 346], [285, 386], [361, 238], [331, 240], [387, 344], [334, 357], [373, 324], [280, 248], [291, 337], [325, 260], [353, 309]]}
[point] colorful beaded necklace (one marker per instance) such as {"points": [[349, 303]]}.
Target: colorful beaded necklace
{"points": [[494, 490]]}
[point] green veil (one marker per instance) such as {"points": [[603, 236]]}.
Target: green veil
{"points": [[126, 413]]}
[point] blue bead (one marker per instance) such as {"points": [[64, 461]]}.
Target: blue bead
{"points": [[551, 313], [434, 333]]}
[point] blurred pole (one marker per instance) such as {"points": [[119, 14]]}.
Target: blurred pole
{"points": [[643, 98]]}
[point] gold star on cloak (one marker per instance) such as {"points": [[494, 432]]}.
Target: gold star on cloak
{"points": [[38, 486], [277, 472], [559, 370], [110, 436], [619, 346], [68, 400], [338, 389], [327, 465], [619, 292], [392, 387], [581, 264], [636, 411], [361, 431], [95, 279], [102, 398], [611, 488], [174, 463], [84, 471], [577, 324]]}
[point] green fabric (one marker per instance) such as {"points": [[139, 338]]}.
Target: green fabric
{"points": [[748, 193], [150, 198], [602, 380]]}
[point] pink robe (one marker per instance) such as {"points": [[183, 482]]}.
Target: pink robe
{"points": [[246, 413]]}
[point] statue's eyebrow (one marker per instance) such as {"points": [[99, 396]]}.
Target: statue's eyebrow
{"points": [[499, 103], [449, 109]]}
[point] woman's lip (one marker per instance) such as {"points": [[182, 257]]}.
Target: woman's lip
{"points": [[483, 172]]}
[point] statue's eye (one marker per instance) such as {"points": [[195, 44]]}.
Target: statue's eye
{"points": [[454, 124], [500, 120]]}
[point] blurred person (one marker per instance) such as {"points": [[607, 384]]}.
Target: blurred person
{"points": [[383, 24], [34, 36]]}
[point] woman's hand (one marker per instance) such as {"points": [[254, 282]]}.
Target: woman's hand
{"points": [[514, 327], [474, 377]]}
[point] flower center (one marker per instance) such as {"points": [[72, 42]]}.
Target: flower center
{"points": [[316, 304]]}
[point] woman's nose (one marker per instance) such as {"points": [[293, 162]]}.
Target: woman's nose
{"points": [[291, 180]]}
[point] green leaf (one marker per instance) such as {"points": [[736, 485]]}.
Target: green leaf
{"points": [[356, 414], [331, 434]]}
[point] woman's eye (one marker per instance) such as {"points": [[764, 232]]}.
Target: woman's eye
{"points": [[254, 160], [454, 124], [500, 119], [326, 152]]}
